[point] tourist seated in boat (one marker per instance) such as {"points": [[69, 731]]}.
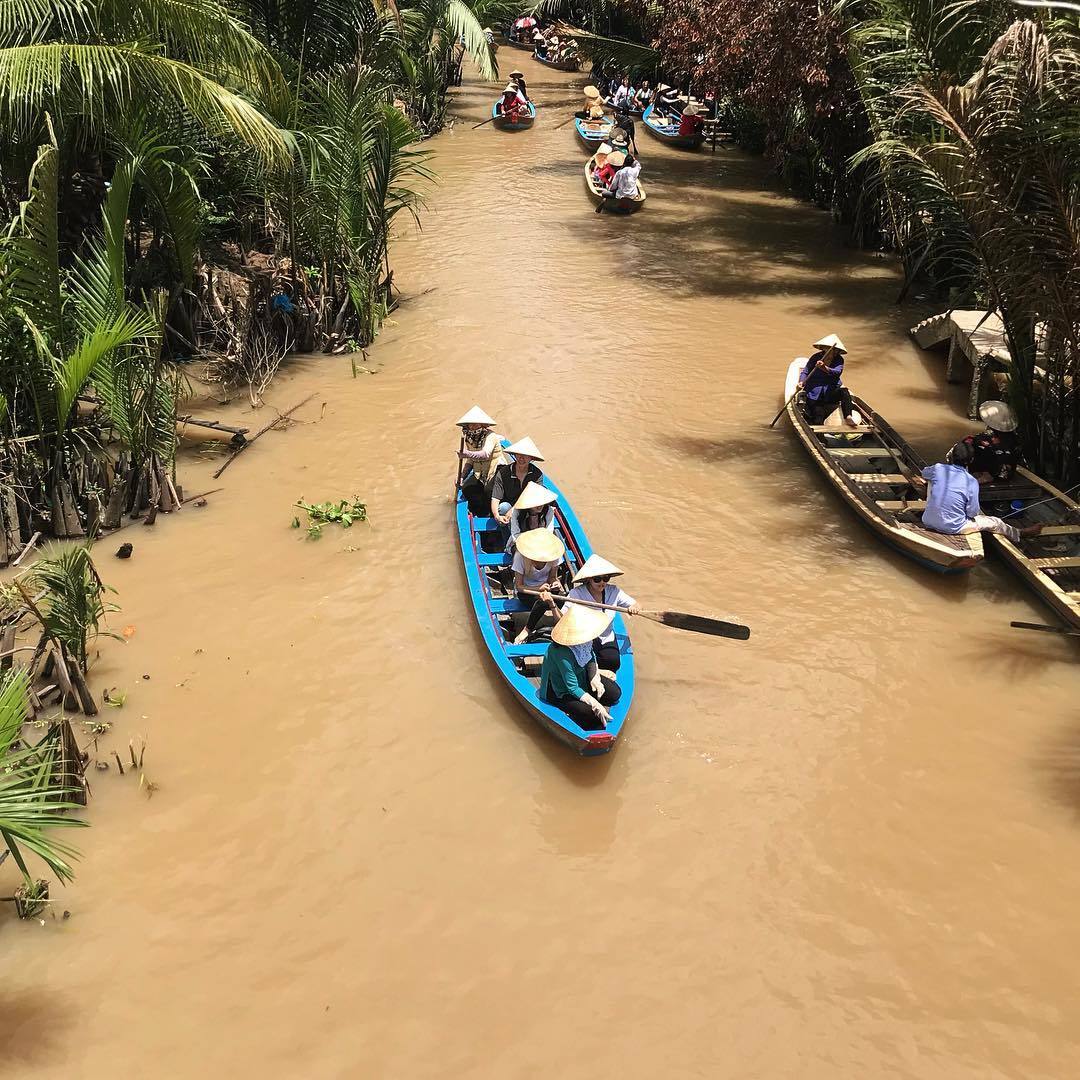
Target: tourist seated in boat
{"points": [[624, 185], [952, 499], [997, 451], [515, 472], [534, 509], [489, 35], [644, 96], [482, 453], [513, 106], [592, 100], [538, 554], [821, 383], [518, 77], [692, 121], [593, 583], [570, 677], [623, 93], [605, 170]]}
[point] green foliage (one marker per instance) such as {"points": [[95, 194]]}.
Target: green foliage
{"points": [[343, 513]]}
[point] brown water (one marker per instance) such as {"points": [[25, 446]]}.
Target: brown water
{"points": [[848, 848]]}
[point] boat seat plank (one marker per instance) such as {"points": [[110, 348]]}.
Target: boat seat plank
{"points": [[1058, 530], [1055, 563], [878, 478], [494, 558], [843, 429], [538, 648], [507, 605], [862, 451], [898, 504], [484, 524]]}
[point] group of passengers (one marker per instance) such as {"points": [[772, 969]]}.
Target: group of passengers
{"points": [[579, 669], [515, 101], [952, 486], [621, 92], [549, 46]]}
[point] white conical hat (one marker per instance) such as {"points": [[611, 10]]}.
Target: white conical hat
{"points": [[525, 448], [511, 88], [477, 416], [580, 624], [596, 566], [830, 342], [605, 148], [535, 495], [540, 545], [997, 416]]}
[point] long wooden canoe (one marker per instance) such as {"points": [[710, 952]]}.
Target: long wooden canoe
{"points": [[527, 46], [521, 124], [669, 133], [1050, 562], [634, 111], [591, 133], [619, 206], [500, 615], [869, 467], [559, 65]]}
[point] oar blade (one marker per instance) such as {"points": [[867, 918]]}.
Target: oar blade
{"points": [[701, 625]]}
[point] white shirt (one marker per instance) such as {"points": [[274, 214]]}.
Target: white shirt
{"points": [[515, 524], [534, 579], [626, 181], [622, 94], [612, 595]]}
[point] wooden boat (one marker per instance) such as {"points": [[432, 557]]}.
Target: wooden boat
{"points": [[572, 64], [636, 111], [1050, 562], [499, 615], [527, 46], [669, 133], [870, 467], [591, 133], [619, 206], [501, 122]]}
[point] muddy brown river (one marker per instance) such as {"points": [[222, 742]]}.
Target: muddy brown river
{"points": [[848, 848]]}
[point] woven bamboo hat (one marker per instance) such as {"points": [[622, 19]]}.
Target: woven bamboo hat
{"points": [[580, 624], [596, 112], [831, 341], [596, 566], [691, 110], [511, 88], [535, 495], [997, 416], [540, 545], [605, 148], [616, 158], [525, 448], [515, 74], [476, 416], [591, 92]]}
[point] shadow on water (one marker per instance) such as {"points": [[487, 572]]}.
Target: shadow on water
{"points": [[1058, 765]]}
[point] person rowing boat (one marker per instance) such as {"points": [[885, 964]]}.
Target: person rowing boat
{"points": [[593, 582], [513, 105], [821, 383], [519, 78], [481, 451]]}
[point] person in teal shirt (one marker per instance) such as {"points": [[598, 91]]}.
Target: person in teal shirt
{"points": [[569, 677]]}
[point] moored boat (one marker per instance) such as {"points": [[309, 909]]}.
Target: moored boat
{"points": [[669, 132], [871, 468], [527, 46], [500, 614], [1048, 563], [620, 206], [635, 111], [572, 64], [505, 124], [591, 133]]}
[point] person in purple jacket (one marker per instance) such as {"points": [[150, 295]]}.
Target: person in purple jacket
{"points": [[820, 381]]}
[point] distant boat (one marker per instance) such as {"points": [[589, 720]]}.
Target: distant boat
{"points": [[591, 133], [519, 665], [869, 467], [520, 124], [635, 110], [669, 132], [619, 206], [571, 64]]}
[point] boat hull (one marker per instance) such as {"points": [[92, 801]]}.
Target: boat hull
{"points": [[488, 608], [591, 137], [525, 46], [619, 206], [669, 133], [608, 103], [558, 65], [503, 124], [877, 497]]}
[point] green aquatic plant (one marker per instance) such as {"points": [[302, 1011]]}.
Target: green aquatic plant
{"points": [[343, 513]]}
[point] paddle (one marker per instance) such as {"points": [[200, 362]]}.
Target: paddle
{"points": [[1045, 629], [487, 121], [460, 465], [786, 404], [564, 123], [680, 620]]}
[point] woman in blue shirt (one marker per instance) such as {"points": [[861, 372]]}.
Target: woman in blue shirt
{"points": [[820, 381]]}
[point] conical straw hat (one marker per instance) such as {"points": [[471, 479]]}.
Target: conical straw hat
{"points": [[830, 342], [535, 495], [525, 448], [540, 545], [617, 158], [591, 92], [477, 416], [511, 88], [997, 416], [517, 74], [580, 624], [691, 110], [605, 148], [596, 566]]}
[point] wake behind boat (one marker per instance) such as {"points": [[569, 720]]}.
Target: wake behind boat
{"points": [[871, 469]]}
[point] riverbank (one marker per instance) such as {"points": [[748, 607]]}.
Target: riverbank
{"points": [[845, 848]]}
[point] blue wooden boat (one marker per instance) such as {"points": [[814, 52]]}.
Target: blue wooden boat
{"points": [[669, 133], [506, 125], [591, 133], [519, 665]]}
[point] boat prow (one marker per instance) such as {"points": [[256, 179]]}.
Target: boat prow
{"points": [[870, 468]]}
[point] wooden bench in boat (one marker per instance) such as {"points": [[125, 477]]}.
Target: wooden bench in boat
{"points": [[897, 504], [1060, 562], [859, 451], [880, 479]]}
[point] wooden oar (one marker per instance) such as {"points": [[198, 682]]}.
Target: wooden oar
{"points": [[786, 404], [681, 620], [1045, 629], [487, 121], [460, 465]]}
